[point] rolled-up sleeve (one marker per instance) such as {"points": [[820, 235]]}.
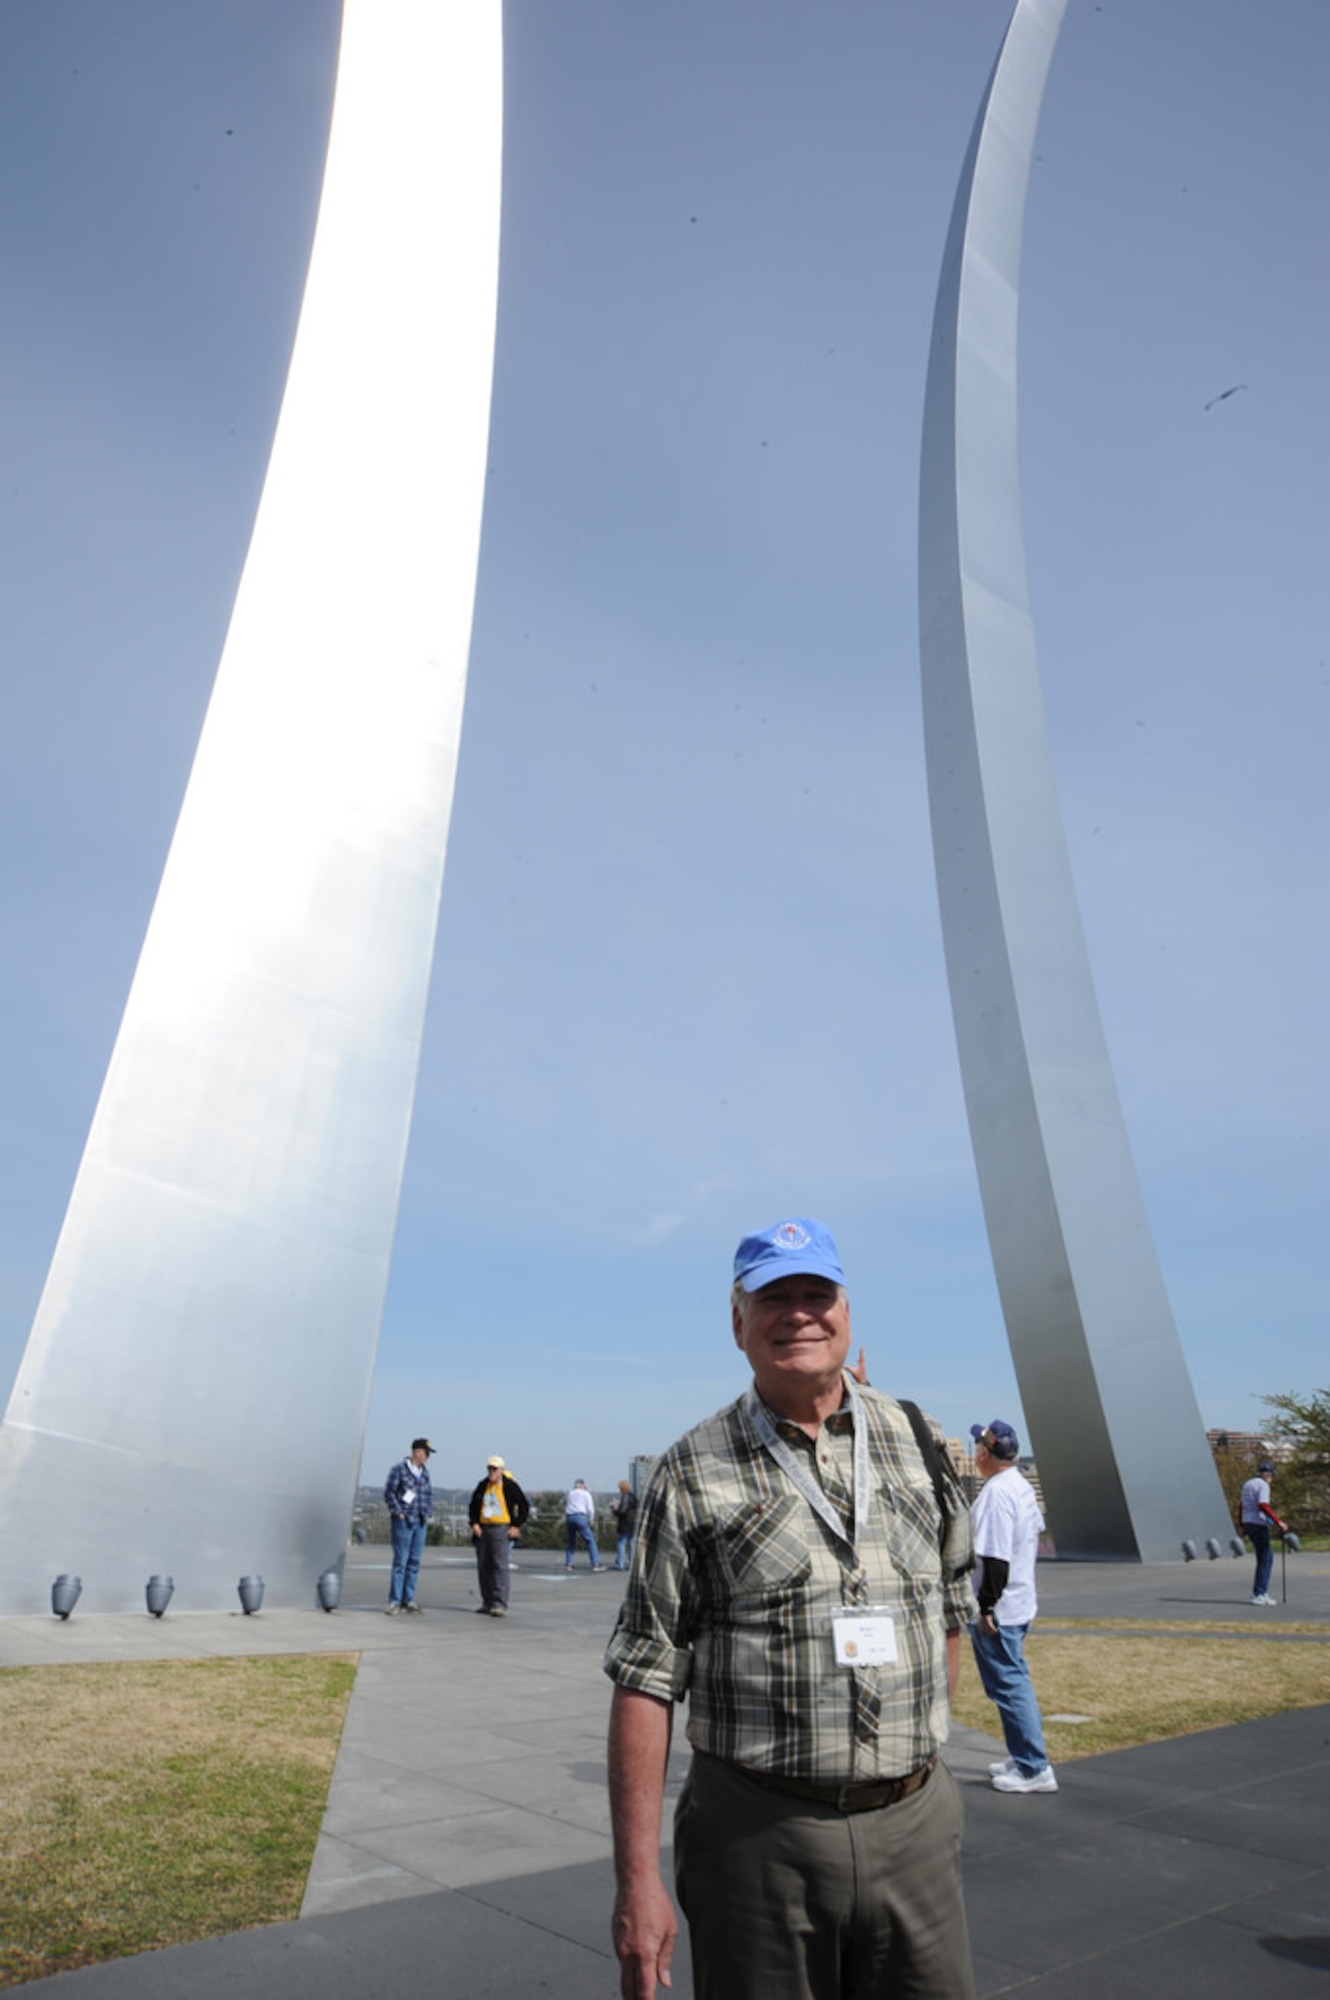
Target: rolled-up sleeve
{"points": [[650, 1650]]}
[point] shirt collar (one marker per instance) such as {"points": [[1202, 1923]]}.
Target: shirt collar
{"points": [[840, 1423]]}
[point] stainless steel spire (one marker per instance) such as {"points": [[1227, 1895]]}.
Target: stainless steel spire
{"points": [[193, 1393], [1113, 1420]]}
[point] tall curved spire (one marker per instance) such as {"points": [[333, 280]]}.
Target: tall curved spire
{"points": [[192, 1397], [1113, 1419]]}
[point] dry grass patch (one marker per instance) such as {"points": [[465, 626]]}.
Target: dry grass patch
{"points": [[1139, 1690], [1239, 1628], [152, 1803]]}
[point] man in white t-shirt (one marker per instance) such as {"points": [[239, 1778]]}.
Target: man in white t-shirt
{"points": [[1255, 1518], [579, 1515], [1007, 1525]]}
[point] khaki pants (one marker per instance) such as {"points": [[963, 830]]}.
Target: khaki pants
{"points": [[790, 1900]]}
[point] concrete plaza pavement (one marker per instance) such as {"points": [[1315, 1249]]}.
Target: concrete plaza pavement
{"points": [[466, 1848]]}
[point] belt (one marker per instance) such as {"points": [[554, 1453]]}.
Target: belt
{"points": [[845, 1798]]}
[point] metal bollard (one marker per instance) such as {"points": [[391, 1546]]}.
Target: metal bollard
{"points": [[159, 1593], [65, 1593]]}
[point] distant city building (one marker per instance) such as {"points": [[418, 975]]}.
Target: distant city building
{"points": [[1238, 1446]]}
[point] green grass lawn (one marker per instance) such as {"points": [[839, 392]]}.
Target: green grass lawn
{"points": [[147, 1804], [1138, 1689]]}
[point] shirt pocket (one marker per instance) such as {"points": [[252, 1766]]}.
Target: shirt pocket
{"points": [[758, 1552], [911, 1517]]}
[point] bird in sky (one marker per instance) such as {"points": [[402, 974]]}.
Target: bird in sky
{"points": [[1224, 395]]}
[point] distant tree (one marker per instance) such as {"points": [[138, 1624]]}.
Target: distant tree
{"points": [[1234, 1469], [1302, 1425], [545, 1528]]}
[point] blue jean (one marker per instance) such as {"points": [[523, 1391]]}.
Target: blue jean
{"points": [[578, 1525], [1006, 1678], [408, 1541], [623, 1551], [1259, 1536]]}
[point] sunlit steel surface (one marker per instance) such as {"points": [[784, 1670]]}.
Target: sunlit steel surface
{"points": [[1113, 1420], [192, 1398]]}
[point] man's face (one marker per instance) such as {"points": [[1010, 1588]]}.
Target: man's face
{"points": [[420, 1455], [795, 1333], [494, 1473]]}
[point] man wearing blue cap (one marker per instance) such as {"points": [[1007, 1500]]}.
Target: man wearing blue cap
{"points": [[802, 1574], [1007, 1525], [1255, 1516]]}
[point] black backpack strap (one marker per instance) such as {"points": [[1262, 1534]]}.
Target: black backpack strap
{"points": [[946, 1486]]}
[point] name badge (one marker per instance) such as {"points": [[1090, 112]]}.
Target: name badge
{"points": [[864, 1638]]}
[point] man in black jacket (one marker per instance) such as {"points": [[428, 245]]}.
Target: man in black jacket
{"points": [[498, 1513]]}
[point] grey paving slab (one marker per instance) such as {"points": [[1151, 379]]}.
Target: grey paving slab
{"points": [[570, 1792], [1203, 1590], [483, 1845], [1299, 1907], [1285, 1818], [373, 1791], [346, 1874], [1101, 1892], [440, 1944], [1194, 1896], [466, 1841], [1209, 1956]]}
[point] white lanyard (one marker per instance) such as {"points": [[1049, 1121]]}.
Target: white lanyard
{"points": [[777, 1448]]}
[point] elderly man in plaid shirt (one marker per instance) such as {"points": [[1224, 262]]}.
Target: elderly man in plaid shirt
{"points": [[801, 1573], [410, 1502]]}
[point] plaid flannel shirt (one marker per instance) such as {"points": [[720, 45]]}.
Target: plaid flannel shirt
{"points": [[735, 1580], [408, 1492]]}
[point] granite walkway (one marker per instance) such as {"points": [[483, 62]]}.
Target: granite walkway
{"points": [[465, 1848]]}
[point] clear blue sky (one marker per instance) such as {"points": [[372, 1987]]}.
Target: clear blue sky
{"points": [[689, 975]]}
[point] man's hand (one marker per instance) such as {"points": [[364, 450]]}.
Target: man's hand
{"points": [[475, 1530], [860, 1370], [644, 1928], [513, 1533], [987, 1624]]}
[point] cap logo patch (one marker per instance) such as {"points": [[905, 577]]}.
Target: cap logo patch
{"points": [[791, 1236]]}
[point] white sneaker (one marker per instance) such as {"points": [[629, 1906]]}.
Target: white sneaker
{"points": [[1003, 1764], [1265, 1599], [1016, 1781]]}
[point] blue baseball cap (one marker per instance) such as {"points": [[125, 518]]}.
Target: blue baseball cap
{"points": [[797, 1248], [998, 1438]]}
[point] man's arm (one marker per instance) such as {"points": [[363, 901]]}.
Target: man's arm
{"points": [[644, 1925], [994, 1574], [953, 1661]]}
